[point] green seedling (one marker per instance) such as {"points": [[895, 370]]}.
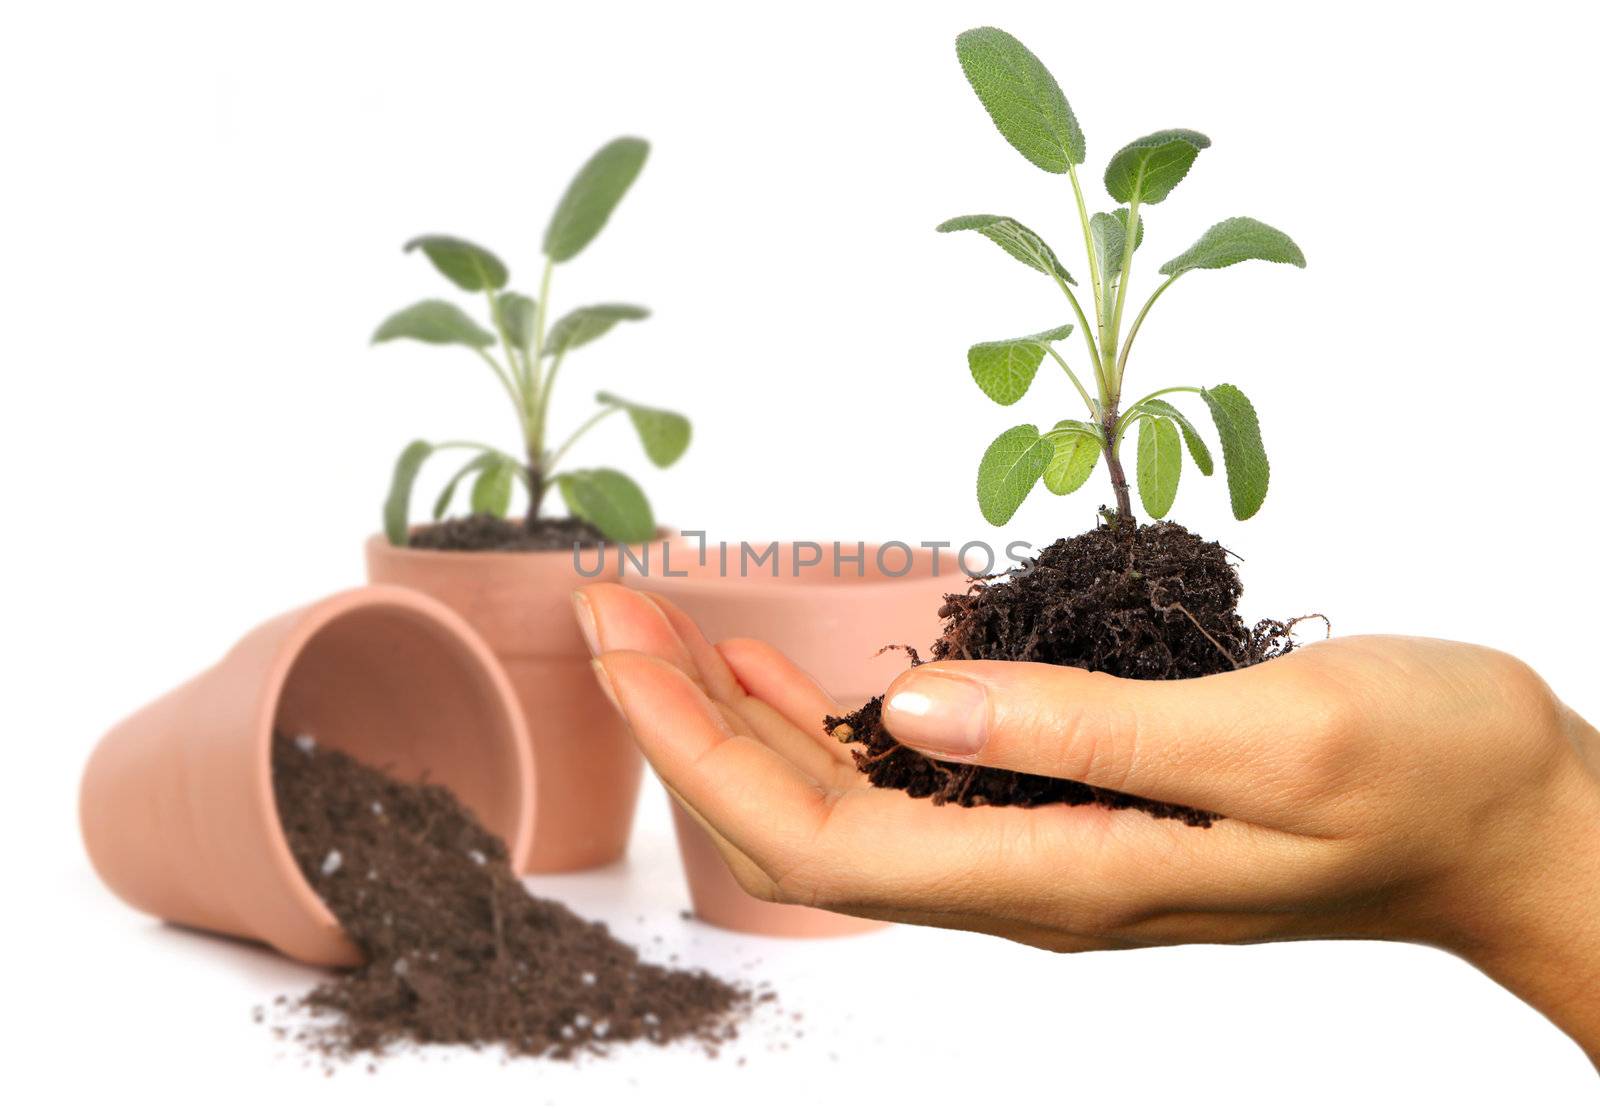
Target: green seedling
{"points": [[529, 357], [1027, 106]]}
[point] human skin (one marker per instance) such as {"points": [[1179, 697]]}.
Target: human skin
{"points": [[1373, 787]]}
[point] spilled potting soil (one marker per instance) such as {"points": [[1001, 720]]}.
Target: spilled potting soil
{"points": [[485, 532], [1154, 602], [459, 951]]}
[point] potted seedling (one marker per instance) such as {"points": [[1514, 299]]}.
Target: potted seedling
{"points": [[511, 578], [1135, 600]]}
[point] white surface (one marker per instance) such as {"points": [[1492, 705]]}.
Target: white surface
{"points": [[203, 213]]}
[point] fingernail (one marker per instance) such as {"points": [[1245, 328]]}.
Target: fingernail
{"points": [[939, 713], [585, 614], [606, 687]]}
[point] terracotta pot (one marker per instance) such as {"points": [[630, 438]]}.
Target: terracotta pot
{"points": [[833, 627], [521, 604], [177, 807]]}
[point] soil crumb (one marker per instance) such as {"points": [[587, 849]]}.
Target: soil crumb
{"points": [[484, 532], [1155, 602], [459, 951]]}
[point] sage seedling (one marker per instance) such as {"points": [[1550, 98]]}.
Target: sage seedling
{"points": [[1030, 111], [525, 357]]}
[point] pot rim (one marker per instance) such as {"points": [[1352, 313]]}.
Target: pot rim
{"points": [[310, 622], [379, 542]]}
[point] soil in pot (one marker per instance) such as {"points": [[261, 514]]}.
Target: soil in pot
{"points": [[459, 951], [1154, 602], [484, 532]]}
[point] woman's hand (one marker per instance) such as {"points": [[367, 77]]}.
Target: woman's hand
{"points": [[1373, 787]]}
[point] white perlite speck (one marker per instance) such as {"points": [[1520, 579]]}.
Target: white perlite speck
{"points": [[588, 978], [332, 862], [477, 856], [377, 808], [305, 742]]}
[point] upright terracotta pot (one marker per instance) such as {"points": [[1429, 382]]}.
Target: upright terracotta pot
{"points": [[521, 604], [831, 625], [177, 807]]}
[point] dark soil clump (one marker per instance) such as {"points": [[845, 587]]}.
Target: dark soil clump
{"points": [[459, 952], [1156, 602], [484, 532]]}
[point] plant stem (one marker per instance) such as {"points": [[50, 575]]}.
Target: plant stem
{"points": [[1094, 409], [1138, 321], [1109, 345], [1088, 337], [555, 455], [1095, 278], [508, 382], [535, 402], [1119, 478]]}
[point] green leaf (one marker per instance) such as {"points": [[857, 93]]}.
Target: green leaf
{"points": [[441, 504], [491, 492], [1109, 232], [664, 434], [611, 502], [585, 325], [433, 321], [1197, 446], [1008, 471], [1013, 238], [1160, 465], [1148, 169], [1242, 453], [470, 266], [1004, 369], [1022, 98], [516, 313], [592, 196], [1077, 446], [397, 507], [1240, 239]]}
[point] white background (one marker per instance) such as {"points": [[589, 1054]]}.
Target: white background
{"points": [[203, 210]]}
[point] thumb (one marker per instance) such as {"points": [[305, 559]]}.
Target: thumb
{"points": [[1216, 743]]}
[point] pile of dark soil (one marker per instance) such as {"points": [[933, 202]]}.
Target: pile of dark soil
{"points": [[484, 532], [1154, 602], [459, 952]]}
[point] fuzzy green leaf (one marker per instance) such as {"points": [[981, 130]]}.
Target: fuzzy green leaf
{"points": [[491, 492], [1013, 238], [611, 501], [1197, 446], [433, 321], [441, 504], [1008, 471], [1243, 455], [664, 434], [1022, 98], [1159, 466], [1109, 233], [1240, 239], [516, 313], [1076, 446], [585, 325], [470, 266], [1148, 169], [1005, 369], [592, 196], [397, 507]]}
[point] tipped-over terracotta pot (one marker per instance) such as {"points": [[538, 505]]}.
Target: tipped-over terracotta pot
{"points": [[833, 626], [520, 602], [177, 806]]}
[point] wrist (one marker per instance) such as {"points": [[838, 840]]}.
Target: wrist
{"points": [[1533, 921]]}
